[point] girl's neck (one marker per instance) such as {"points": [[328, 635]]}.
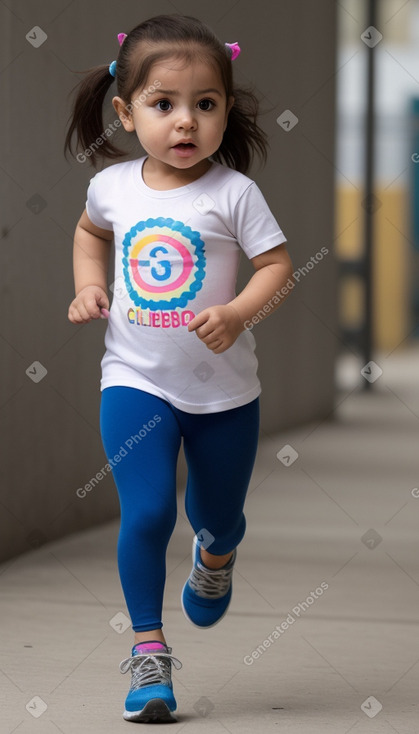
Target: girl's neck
{"points": [[161, 177]]}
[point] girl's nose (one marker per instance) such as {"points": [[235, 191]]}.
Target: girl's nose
{"points": [[186, 119]]}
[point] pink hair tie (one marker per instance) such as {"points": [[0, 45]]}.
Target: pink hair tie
{"points": [[234, 49], [112, 66]]}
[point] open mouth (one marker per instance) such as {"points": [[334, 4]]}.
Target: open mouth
{"points": [[184, 146]]}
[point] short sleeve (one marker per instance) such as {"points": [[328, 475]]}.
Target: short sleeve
{"points": [[256, 228], [93, 208]]}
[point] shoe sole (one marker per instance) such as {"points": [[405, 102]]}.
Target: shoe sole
{"points": [[200, 626], [155, 711]]}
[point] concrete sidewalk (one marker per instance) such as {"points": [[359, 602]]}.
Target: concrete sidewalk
{"points": [[322, 632]]}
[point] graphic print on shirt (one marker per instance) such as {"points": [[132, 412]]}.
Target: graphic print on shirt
{"points": [[163, 266]]}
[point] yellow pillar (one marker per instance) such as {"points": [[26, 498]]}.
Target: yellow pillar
{"points": [[391, 251]]}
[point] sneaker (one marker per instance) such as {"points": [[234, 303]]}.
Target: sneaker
{"points": [[207, 592], [150, 698]]}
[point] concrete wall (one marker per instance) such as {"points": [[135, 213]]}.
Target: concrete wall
{"points": [[49, 421]]}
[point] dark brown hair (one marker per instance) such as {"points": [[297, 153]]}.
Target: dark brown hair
{"points": [[162, 37]]}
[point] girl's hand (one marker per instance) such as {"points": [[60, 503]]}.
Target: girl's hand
{"points": [[218, 327], [88, 305]]}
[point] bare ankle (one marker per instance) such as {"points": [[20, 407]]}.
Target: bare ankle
{"points": [[214, 562], [148, 636]]}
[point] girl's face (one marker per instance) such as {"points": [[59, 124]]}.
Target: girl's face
{"points": [[189, 105]]}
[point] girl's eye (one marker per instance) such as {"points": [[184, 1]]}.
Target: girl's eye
{"points": [[163, 102], [206, 103]]}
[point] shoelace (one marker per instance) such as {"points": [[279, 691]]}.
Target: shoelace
{"points": [[149, 668], [210, 583]]}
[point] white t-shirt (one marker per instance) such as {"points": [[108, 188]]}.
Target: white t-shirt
{"points": [[177, 252]]}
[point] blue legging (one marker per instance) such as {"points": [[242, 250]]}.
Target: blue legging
{"points": [[141, 435]]}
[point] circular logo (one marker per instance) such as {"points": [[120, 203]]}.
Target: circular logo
{"points": [[163, 263]]}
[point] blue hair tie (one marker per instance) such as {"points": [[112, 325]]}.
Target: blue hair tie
{"points": [[112, 69]]}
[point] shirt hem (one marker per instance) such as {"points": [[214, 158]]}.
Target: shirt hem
{"points": [[215, 407]]}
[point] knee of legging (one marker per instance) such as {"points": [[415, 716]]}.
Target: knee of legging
{"points": [[225, 536], [157, 521]]}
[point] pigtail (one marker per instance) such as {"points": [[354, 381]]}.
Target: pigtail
{"points": [[243, 138], [87, 116]]}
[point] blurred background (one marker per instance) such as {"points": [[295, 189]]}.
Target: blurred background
{"points": [[395, 242]]}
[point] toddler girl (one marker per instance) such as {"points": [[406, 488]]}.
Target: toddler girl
{"points": [[180, 356]]}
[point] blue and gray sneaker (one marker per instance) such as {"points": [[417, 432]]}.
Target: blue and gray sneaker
{"points": [[150, 698], [207, 592]]}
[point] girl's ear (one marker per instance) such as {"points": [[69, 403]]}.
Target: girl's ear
{"points": [[123, 113]]}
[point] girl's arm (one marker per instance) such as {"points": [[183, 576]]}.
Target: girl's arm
{"points": [[219, 326], [273, 270], [90, 263]]}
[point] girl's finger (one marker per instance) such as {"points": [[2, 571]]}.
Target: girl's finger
{"points": [[214, 344], [83, 312], [197, 321]]}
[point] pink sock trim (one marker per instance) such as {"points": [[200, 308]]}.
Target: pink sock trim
{"points": [[149, 646]]}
